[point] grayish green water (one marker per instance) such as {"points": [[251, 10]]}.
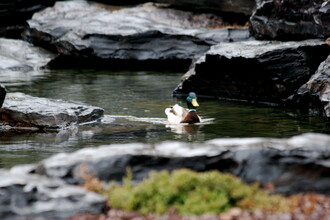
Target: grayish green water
{"points": [[134, 104]]}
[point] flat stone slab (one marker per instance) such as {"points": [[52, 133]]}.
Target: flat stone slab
{"points": [[21, 110], [145, 35], [30, 196], [292, 165]]}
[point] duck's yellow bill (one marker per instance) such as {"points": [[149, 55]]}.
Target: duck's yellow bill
{"points": [[194, 102]]}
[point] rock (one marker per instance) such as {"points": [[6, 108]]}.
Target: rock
{"points": [[291, 20], [14, 14], [292, 165], [145, 36], [30, 196], [245, 7], [20, 110], [314, 96], [123, 2], [20, 61], [3, 93], [254, 71]]}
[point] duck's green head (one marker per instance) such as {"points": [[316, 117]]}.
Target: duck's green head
{"points": [[192, 101]]}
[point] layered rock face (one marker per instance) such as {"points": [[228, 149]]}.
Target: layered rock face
{"points": [[293, 165], [255, 71], [20, 110], [314, 96], [239, 6], [291, 20], [144, 36]]}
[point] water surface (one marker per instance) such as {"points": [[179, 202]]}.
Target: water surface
{"points": [[134, 104]]}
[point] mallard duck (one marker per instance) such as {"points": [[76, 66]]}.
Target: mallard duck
{"points": [[177, 114]]}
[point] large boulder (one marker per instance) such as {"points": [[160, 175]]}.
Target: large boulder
{"points": [[293, 165], [291, 19], [314, 96], [29, 196], [20, 61], [145, 36], [21, 110], [14, 14], [254, 71]]}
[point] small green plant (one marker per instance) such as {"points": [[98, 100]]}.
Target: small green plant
{"points": [[190, 192]]}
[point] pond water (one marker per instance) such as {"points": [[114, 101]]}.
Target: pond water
{"points": [[134, 104]]}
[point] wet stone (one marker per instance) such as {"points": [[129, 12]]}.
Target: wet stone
{"points": [[21, 110]]}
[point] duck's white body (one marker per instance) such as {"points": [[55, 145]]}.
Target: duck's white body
{"points": [[177, 114]]}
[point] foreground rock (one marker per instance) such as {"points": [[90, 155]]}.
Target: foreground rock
{"points": [[291, 165], [14, 14], [254, 71], [314, 96], [20, 110], [291, 20], [20, 61], [245, 7], [237, 7], [28, 196], [88, 35]]}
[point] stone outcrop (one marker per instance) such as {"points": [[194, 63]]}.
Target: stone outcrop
{"points": [[20, 61], [245, 7], [314, 96], [293, 165], [29, 196], [147, 37], [254, 71], [14, 14], [21, 110], [291, 20]]}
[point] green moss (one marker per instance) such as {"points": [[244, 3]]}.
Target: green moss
{"points": [[190, 192]]}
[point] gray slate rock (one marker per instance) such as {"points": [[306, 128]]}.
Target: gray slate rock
{"points": [[314, 96], [144, 36], [245, 7], [30, 196], [21, 110], [291, 20], [293, 165], [254, 71], [21, 61]]}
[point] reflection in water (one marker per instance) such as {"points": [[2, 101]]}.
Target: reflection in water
{"points": [[134, 104], [192, 129]]}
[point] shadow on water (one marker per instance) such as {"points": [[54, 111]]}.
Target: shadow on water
{"points": [[134, 104]]}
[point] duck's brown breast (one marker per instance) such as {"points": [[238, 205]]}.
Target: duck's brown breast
{"points": [[191, 118]]}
